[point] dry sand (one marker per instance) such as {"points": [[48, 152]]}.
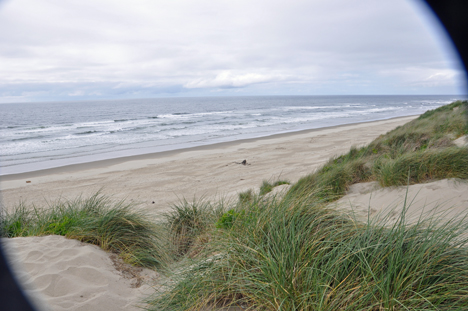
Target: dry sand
{"points": [[442, 199], [70, 275]]}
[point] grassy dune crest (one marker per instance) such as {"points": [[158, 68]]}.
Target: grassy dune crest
{"points": [[422, 149]]}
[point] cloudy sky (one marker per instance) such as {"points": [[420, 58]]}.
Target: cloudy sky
{"points": [[104, 49]]}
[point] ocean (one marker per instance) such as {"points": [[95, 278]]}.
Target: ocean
{"points": [[35, 136]]}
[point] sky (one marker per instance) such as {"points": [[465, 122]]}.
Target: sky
{"points": [[54, 50]]}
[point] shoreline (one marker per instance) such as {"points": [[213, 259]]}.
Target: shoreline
{"points": [[157, 181], [154, 155]]}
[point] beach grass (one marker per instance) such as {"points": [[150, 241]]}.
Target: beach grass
{"points": [[296, 254], [268, 186], [246, 196], [114, 226], [188, 223], [422, 166]]}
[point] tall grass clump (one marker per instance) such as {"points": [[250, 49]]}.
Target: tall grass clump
{"points": [[189, 222], [246, 196], [332, 180], [295, 254], [421, 166], [267, 186], [114, 226]]}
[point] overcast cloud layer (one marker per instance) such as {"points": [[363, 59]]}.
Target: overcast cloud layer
{"points": [[101, 49]]}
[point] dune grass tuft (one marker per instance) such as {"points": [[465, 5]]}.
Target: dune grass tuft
{"points": [[332, 180], [188, 221], [421, 166], [114, 226], [246, 196], [267, 186]]}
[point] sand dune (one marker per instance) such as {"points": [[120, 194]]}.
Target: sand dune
{"points": [[63, 274]]}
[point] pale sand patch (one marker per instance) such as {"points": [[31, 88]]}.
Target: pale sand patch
{"points": [[70, 275], [461, 141], [208, 171], [446, 199]]}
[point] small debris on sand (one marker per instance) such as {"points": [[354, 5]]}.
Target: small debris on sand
{"points": [[243, 162]]}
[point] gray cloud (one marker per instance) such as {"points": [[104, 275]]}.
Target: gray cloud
{"points": [[61, 49]]}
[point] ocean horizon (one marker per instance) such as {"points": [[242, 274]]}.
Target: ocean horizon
{"points": [[37, 136]]}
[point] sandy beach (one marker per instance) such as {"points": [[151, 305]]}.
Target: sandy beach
{"points": [[208, 171], [62, 271]]}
